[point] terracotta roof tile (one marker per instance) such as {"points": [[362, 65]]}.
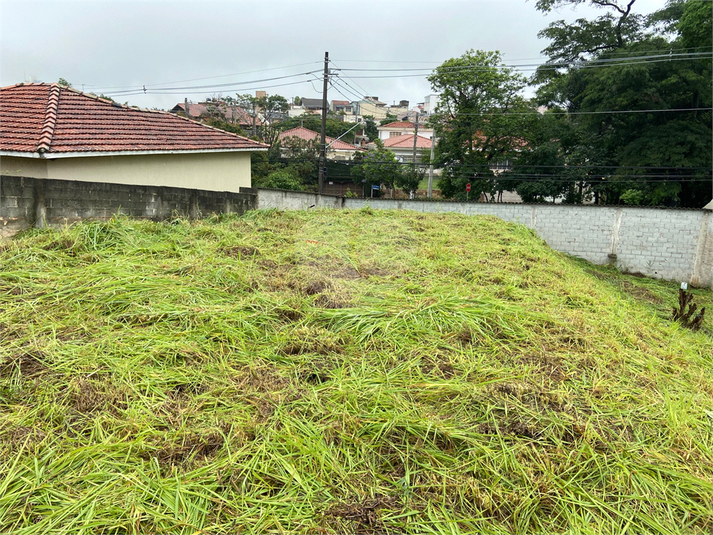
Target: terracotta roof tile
{"points": [[52, 119], [406, 142], [308, 135]]}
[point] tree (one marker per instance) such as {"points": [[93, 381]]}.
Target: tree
{"points": [[378, 166], [388, 119], [658, 157], [281, 179], [64, 82], [473, 121], [370, 128], [272, 107], [410, 178]]}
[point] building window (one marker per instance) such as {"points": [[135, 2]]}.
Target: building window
{"points": [[394, 134]]}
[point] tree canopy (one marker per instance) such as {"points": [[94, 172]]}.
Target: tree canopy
{"points": [[474, 121], [634, 92]]}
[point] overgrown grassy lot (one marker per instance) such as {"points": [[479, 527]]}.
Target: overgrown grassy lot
{"points": [[343, 372]]}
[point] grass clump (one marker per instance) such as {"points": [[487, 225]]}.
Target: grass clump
{"points": [[351, 371]]}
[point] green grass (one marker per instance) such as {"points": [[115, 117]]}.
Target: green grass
{"points": [[343, 372]]}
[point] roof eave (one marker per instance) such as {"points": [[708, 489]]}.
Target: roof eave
{"points": [[88, 154]]}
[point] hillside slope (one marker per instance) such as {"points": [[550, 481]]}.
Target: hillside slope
{"points": [[331, 372]]}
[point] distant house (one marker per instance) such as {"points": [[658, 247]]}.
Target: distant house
{"points": [[402, 147], [430, 103], [341, 106], [48, 131], [370, 106], [312, 104], [222, 111], [336, 149], [403, 128]]}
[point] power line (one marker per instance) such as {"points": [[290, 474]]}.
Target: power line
{"points": [[104, 88], [358, 86], [560, 64], [166, 90], [236, 89], [506, 113], [612, 52]]}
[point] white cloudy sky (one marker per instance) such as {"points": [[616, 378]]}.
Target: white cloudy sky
{"points": [[114, 46]]}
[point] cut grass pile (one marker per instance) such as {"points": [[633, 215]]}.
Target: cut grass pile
{"points": [[343, 372]]}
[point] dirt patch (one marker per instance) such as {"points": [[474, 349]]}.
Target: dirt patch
{"points": [[89, 397], [327, 301], [347, 273], [318, 373], [546, 364], [312, 340], [61, 244], [377, 272], [288, 314], [316, 287], [29, 364], [365, 515], [638, 292], [240, 251], [19, 436], [440, 368], [530, 395], [189, 447]]}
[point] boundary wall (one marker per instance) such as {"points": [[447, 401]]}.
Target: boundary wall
{"points": [[39, 202], [673, 244]]}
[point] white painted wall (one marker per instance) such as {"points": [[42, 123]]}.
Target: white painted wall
{"points": [[221, 171]]}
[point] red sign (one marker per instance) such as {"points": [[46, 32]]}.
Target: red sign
{"points": [[467, 187]]}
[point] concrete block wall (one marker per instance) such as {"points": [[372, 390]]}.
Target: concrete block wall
{"points": [[295, 200], [25, 202]]}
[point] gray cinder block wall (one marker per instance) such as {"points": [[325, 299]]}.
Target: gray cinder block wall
{"points": [[26, 202]]}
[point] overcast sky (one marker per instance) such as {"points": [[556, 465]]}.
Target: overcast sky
{"points": [[110, 47]]}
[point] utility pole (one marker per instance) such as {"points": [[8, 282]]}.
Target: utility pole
{"points": [[323, 144], [430, 167], [185, 103], [415, 138]]}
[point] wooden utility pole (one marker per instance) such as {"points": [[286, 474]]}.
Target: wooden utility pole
{"points": [[323, 140], [185, 103], [415, 138]]}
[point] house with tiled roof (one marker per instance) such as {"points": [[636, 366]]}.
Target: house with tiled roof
{"points": [[402, 147], [403, 128], [208, 110], [309, 139], [49, 131]]}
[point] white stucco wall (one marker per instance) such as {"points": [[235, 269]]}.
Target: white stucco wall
{"points": [[221, 171]]}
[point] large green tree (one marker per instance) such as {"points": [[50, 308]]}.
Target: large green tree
{"points": [[630, 83], [474, 121]]}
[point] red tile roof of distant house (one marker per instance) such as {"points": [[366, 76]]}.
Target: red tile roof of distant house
{"points": [[308, 135], [406, 142], [403, 125], [341, 103], [49, 120]]}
